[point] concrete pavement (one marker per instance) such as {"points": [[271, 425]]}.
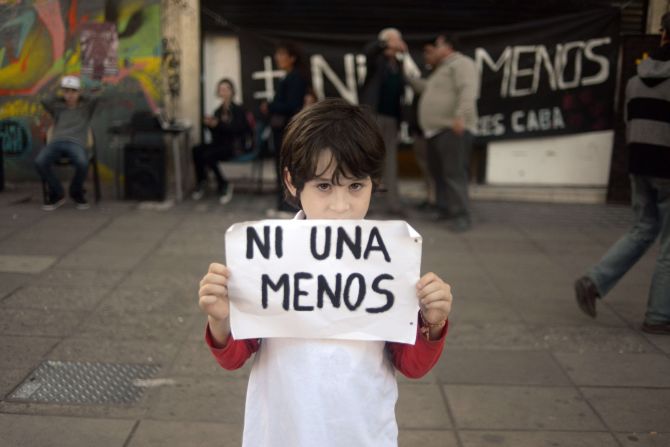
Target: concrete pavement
{"points": [[522, 367]]}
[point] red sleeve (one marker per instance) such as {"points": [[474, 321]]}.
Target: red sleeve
{"points": [[234, 353], [414, 361]]}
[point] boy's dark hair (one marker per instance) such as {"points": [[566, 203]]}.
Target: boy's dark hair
{"points": [[348, 131]]}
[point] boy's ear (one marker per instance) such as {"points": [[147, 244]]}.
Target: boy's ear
{"points": [[289, 183]]}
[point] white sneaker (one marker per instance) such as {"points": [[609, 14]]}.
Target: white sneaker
{"points": [[227, 196], [53, 204]]}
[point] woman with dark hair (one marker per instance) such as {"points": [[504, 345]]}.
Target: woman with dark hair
{"points": [[229, 128], [288, 100]]}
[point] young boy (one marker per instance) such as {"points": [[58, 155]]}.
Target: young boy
{"points": [[305, 392]]}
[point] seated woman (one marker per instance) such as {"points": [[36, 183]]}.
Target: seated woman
{"points": [[229, 127]]}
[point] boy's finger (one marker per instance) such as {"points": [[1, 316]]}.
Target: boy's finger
{"points": [[214, 278], [426, 279], [213, 289], [436, 295], [217, 268], [206, 300]]}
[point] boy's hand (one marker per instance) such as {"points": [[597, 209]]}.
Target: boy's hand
{"points": [[434, 298], [213, 293]]}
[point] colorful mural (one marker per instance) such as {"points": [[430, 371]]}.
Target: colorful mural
{"points": [[43, 40]]}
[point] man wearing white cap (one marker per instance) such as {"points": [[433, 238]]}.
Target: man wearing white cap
{"points": [[72, 113]]}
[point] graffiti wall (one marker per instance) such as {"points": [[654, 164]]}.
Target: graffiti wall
{"points": [[114, 45]]}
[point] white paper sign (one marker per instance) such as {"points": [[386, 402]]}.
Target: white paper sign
{"points": [[343, 279]]}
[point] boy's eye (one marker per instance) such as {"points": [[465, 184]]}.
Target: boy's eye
{"points": [[323, 186], [356, 186]]}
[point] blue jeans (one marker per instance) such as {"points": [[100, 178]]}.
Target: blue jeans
{"points": [[651, 205], [53, 152]]}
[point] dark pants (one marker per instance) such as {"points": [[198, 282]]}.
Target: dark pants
{"points": [[208, 156], [52, 152], [449, 161]]}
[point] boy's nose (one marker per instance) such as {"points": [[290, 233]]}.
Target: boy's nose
{"points": [[340, 202]]}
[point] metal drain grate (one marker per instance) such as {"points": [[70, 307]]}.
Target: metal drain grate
{"points": [[84, 383]]}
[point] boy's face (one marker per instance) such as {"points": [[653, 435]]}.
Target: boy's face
{"points": [[323, 199]]}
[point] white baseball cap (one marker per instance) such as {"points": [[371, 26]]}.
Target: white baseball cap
{"points": [[72, 82]]}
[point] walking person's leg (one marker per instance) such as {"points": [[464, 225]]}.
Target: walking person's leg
{"points": [[657, 318], [621, 256]]}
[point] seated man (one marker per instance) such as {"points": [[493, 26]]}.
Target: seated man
{"points": [[72, 113]]}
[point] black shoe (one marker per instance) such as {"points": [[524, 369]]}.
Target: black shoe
{"points": [[80, 201], [658, 328], [53, 202], [586, 294]]}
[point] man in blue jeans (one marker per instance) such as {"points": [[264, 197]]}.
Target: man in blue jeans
{"points": [[72, 113], [647, 123]]}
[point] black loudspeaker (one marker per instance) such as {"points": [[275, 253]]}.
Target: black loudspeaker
{"points": [[144, 172]]}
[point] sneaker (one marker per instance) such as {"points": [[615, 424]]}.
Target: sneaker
{"points": [[227, 195], [586, 294], [198, 194], [53, 203], [80, 201]]}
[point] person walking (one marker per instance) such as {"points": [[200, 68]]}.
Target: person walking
{"points": [[646, 105], [448, 117]]}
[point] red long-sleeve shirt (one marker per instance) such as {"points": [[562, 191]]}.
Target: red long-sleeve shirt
{"points": [[413, 361]]}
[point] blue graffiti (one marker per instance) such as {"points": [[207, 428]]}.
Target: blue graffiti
{"points": [[14, 138]]}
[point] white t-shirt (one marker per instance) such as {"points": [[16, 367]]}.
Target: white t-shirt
{"points": [[323, 393]]}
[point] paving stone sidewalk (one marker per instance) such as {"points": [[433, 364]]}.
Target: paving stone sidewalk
{"points": [[523, 366]]}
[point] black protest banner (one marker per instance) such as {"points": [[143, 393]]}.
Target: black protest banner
{"points": [[551, 77]]}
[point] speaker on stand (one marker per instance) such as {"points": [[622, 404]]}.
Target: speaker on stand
{"points": [[144, 172]]}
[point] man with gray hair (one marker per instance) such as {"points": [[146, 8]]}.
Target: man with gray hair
{"points": [[383, 92]]}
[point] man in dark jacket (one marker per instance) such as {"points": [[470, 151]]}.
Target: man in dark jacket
{"points": [[383, 90], [647, 123]]}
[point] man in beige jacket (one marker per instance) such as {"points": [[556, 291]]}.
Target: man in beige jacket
{"points": [[448, 117]]}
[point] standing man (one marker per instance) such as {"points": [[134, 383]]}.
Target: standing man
{"points": [[383, 91], [648, 139], [448, 117], [72, 113]]}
